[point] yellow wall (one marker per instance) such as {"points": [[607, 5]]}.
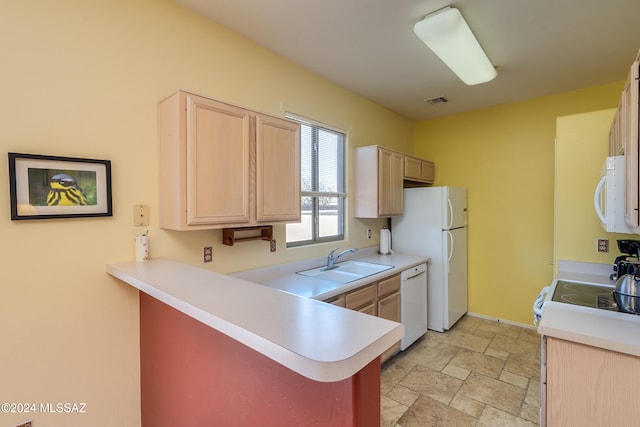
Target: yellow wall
{"points": [[82, 79], [577, 227], [504, 156]]}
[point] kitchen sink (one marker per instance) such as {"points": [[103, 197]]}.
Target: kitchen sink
{"points": [[347, 271]]}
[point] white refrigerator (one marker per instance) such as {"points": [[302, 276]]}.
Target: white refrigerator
{"points": [[434, 224]]}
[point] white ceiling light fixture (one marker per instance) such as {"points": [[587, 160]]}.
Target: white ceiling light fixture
{"points": [[447, 34]]}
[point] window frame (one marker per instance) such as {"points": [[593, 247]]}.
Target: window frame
{"points": [[317, 195]]}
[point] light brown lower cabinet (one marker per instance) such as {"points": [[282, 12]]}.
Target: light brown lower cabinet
{"points": [[338, 300], [380, 299], [589, 386], [362, 298]]}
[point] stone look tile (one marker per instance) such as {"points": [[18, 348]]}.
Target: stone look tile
{"points": [[432, 338], [468, 341], [432, 358], [467, 405], [429, 412], [493, 392], [529, 335], [448, 348], [478, 362], [525, 365], [403, 395], [514, 346], [456, 372], [433, 384], [391, 411], [492, 417], [482, 333], [393, 373], [481, 372], [503, 329], [496, 353], [533, 394], [514, 379], [530, 413]]}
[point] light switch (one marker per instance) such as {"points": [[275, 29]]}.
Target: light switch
{"points": [[140, 215]]}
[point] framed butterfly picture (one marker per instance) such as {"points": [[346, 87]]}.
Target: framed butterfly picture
{"points": [[44, 187]]}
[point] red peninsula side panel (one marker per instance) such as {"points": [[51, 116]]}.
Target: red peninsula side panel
{"points": [[194, 375]]}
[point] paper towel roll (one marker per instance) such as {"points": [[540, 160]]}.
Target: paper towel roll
{"points": [[142, 248], [385, 241]]}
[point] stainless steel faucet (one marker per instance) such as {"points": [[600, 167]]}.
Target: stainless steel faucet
{"points": [[331, 259]]}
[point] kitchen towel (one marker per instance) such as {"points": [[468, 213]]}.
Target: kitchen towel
{"points": [[142, 248]]}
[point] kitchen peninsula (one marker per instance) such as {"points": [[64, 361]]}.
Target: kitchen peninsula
{"points": [[219, 350]]}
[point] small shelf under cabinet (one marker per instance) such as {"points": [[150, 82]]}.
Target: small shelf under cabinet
{"points": [[245, 234]]}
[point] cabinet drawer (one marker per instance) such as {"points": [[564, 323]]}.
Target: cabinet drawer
{"points": [[338, 300], [388, 286], [361, 297]]}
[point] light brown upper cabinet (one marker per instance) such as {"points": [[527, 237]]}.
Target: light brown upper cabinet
{"points": [[418, 170], [225, 166], [629, 133], [378, 174]]}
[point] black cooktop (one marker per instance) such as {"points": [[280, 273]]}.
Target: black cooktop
{"points": [[584, 294]]}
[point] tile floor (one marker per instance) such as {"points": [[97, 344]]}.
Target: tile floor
{"points": [[479, 373]]}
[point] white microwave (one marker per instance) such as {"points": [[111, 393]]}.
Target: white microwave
{"points": [[608, 199]]}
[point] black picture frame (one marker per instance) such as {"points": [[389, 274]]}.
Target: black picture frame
{"points": [[47, 187]]}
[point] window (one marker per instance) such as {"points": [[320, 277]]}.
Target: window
{"points": [[322, 185]]}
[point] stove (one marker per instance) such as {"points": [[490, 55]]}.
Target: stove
{"points": [[585, 294], [579, 283]]}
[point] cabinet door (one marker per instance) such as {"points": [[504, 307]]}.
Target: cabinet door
{"points": [[427, 171], [418, 170], [590, 386], [277, 170], [390, 173], [389, 308], [630, 138], [411, 167], [218, 151]]}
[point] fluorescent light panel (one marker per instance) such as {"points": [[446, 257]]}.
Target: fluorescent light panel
{"points": [[447, 34]]}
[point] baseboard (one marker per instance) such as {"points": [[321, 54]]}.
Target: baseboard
{"points": [[508, 322]]}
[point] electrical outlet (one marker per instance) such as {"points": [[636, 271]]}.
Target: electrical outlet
{"points": [[368, 233], [207, 254], [272, 245], [603, 245]]}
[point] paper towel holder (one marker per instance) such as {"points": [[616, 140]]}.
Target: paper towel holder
{"points": [[385, 242]]}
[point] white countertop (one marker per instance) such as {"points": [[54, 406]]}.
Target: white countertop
{"points": [[318, 340], [605, 329], [284, 277], [598, 328]]}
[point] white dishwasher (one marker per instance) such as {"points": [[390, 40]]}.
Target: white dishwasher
{"points": [[413, 297]]}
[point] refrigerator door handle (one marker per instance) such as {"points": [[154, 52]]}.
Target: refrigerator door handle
{"points": [[450, 238], [450, 214]]}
